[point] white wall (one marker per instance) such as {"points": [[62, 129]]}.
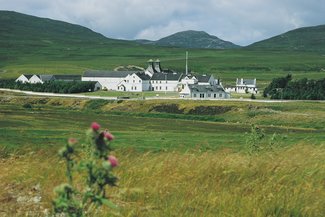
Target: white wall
{"points": [[35, 79], [187, 80], [132, 83], [22, 79], [169, 86], [242, 89], [210, 95], [108, 83]]}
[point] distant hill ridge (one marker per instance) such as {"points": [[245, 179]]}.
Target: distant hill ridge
{"points": [[191, 39], [301, 39], [15, 26]]}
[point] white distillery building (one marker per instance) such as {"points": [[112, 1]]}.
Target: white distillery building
{"points": [[109, 80], [154, 78], [162, 79], [243, 86], [197, 91], [165, 81], [135, 82], [24, 78], [199, 79], [34, 79]]}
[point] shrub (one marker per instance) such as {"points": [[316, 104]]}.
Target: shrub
{"points": [[27, 106], [95, 167]]}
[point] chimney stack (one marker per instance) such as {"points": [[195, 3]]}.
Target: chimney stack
{"points": [[157, 65]]}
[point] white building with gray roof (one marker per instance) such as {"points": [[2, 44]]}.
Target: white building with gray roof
{"points": [[135, 82], [166, 81], [24, 78], [243, 86], [108, 79], [197, 91]]}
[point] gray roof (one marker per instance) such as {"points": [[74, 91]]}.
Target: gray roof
{"points": [[246, 82], [28, 76], [46, 77], [203, 78], [200, 78], [205, 88], [166, 76], [110, 74], [143, 76], [67, 77]]}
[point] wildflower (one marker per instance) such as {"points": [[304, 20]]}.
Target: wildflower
{"points": [[95, 126], [113, 160], [72, 141], [108, 136]]}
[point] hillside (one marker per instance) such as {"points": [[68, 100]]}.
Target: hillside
{"points": [[302, 39], [16, 27], [23, 35], [34, 45], [192, 39]]}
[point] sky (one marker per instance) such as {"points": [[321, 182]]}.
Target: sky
{"points": [[240, 21]]}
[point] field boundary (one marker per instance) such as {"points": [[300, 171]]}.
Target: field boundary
{"points": [[149, 98]]}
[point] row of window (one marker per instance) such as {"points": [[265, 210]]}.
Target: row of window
{"points": [[209, 95], [127, 81], [158, 82], [159, 88]]}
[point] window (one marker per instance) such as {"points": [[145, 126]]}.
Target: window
{"points": [[209, 94], [160, 81], [139, 81], [215, 95], [133, 81], [135, 88], [220, 95], [131, 88], [201, 95], [160, 88], [194, 94], [156, 87], [166, 87]]}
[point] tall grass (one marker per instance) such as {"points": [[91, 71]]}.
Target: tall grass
{"points": [[285, 182]]}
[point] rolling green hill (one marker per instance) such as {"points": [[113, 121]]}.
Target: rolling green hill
{"points": [[302, 39], [192, 39], [30, 44]]}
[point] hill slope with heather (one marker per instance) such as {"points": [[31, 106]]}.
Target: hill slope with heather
{"points": [[192, 39], [302, 39]]}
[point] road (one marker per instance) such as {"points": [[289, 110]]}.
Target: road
{"points": [[147, 98]]}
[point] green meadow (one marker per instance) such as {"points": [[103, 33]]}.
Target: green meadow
{"points": [[224, 64], [177, 157], [157, 124]]}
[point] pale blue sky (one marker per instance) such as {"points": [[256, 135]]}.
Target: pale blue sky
{"points": [[240, 21]]}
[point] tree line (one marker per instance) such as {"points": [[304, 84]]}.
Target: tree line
{"points": [[51, 86], [302, 89]]}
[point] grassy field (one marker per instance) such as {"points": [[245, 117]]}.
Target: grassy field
{"points": [[224, 64], [133, 95], [178, 158], [285, 182]]}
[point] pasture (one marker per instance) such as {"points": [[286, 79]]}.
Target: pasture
{"points": [[224, 64], [177, 157]]}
